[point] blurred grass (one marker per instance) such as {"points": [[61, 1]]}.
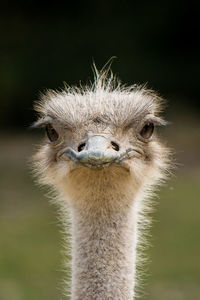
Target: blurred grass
{"points": [[175, 267], [30, 260], [29, 248]]}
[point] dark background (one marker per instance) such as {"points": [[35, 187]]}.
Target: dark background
{"points": [[41, 46]]}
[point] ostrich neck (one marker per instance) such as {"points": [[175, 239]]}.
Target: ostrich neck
{"points": [[103, 249]]}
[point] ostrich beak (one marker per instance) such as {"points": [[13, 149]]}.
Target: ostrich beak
{"points": [[96, 152]]}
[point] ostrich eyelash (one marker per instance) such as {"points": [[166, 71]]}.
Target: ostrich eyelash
{"points": [[45, 121], [155, 120], [42, 122], [152, 119]]}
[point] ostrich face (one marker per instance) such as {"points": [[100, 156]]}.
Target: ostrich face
{"points": [[98, 130]]}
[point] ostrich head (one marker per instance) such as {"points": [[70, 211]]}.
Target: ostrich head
{"points": [[105, 130]]}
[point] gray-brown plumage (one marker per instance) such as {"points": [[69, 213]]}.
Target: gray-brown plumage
{"points": [[103, 158]]}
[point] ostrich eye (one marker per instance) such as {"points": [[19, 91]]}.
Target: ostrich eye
{"points": [[147, 131], [51, 133]]}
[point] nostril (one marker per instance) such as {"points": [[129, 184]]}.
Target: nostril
{"points": [[81, 147], [115, 146]]}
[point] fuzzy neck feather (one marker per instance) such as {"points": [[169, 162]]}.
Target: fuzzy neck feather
{"points": [[103, 256], [103, 237]]}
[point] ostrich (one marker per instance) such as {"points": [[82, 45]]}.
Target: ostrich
{"points": [[103, 159]]}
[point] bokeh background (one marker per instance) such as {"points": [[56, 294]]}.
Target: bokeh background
{"points": [[44, 44]]}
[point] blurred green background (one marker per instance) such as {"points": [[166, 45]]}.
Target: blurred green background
{"points": [[44, 44]]}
